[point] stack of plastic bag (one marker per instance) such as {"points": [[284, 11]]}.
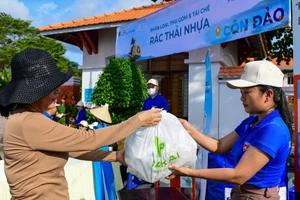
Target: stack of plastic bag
{"points": [[150, 150]]}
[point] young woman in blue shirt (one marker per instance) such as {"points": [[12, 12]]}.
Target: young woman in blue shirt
{"points": [[260, 144]]}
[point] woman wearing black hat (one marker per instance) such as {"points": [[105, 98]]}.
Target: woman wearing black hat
{"points": [[36, 149]]}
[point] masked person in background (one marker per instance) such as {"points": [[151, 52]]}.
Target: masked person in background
{"points": [[260, 144], [155, 100], [36, 149], [88, 106]]}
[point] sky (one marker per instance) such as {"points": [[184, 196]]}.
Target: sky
{"points": [[46, 12]]}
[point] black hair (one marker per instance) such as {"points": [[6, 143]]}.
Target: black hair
{"points": [[100, 122], [281, 104], [80, 125], [6, 110]]}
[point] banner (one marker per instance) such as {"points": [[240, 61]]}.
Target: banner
{"points": [[207, 119], [88, 92], [191, 24], [208, 95], [296, 51]]}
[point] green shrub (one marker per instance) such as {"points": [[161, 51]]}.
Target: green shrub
{"points": [[122, 85]]}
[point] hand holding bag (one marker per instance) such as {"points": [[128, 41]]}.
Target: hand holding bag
{"points": [[150, 150]]}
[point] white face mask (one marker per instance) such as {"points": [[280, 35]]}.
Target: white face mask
{"points": [[151, 91]]}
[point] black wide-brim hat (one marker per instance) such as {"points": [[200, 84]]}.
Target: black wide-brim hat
{"points": [[34, 75]]}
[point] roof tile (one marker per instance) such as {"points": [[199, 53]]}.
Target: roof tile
{"points": [[233, 71], [117, 16]]}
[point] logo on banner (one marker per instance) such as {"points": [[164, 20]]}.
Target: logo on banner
{"points": [[298, 5], [135, 50]]}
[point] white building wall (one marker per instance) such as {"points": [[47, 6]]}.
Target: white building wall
{"points": [[106, 50], [228, 111], [197, 87], [229, 54], [93, 64], [198, 55], [287, 88], [231, 109], [89, 79], [196, 95]]}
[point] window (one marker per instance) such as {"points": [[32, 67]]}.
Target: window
{"points": [[290, 79]]}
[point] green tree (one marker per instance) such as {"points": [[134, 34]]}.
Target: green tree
{"points": [[17, 35], [280, 44], [5, 76], [76, 71], [122, 85]]}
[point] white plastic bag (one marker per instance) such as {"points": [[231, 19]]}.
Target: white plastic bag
{"points": [[150, 150]]}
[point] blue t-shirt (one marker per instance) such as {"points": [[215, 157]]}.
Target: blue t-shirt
{"points": [[48, 115], [157, 102], [81, 115], [270, 135], [100, 125]]}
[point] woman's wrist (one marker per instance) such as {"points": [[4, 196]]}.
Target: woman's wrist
{"points": [[120, 157], [117, 154], [192, 131]]}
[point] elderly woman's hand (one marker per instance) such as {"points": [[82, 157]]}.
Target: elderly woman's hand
{"points": [[121, 157], [150, 117]]}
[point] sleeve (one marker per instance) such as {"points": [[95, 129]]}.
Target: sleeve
{"points": [[241, 128], [95, 155], [164, 104], [144, 105], [270, 139], [48, 135]]}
